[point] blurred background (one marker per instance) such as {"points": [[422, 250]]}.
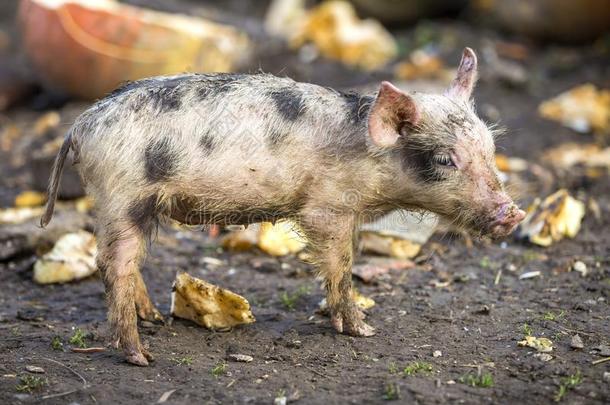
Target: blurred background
{"points": [[544, 78]]}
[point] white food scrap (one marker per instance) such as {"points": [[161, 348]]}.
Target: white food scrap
{"points": [[208, 305], [568, 155], [542, 345], [559, 215], [337, 32], [280, 239], [510, 164], [18, 215], [387, 245], [423, 65], [583, 108], [72, 258]]}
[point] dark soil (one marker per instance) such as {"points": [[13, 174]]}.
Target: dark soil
{"points": [[472, 320]]}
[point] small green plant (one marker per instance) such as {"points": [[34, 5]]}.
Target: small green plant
{"points": [[29, 383], [56, 343], [393, 368], [184, 361], [289, 300], [417, 367], [219, 369], [484, 380], [391, 392], [78, 338], [527, 330], [567, 384], [557, 335], [550, 316], [485, 263]]}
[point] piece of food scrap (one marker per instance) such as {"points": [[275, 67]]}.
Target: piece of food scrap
{"points": [[583, 109], [549, 221], [72, 258], [208, 305], [542, 345]]}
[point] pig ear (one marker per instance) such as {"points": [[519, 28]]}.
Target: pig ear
{"points": [[391, 110], [464, 82]]}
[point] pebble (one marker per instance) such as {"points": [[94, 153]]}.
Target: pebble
{"points": [[544, 356], [437, 353], [279, 401], [580, 267], [34, 369], [244, 358], [576, 342], [294, 344], [607, 376], [529, 274], [22, 397]]}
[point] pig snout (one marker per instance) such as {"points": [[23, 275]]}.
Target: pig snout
{"points": [[507, 217]]}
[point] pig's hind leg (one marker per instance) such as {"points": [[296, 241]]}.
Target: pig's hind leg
{"points": [[144, 307], [121, 247], [331, 239]]}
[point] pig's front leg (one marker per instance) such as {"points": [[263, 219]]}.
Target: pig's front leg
{"points": [[331, 238]]}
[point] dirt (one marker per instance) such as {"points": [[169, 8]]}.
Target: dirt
{"points": [[454, 301]]}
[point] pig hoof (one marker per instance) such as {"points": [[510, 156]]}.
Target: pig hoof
{"points": [[361, 329], [150, 314], [147, 354], [352, 325], [137, 358]]}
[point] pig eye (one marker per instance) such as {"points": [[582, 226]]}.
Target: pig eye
{"points": [[443, 160]]}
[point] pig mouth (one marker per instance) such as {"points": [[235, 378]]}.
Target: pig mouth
{"points": [[500, 230]]}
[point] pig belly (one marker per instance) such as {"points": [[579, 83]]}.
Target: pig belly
{"points": [[242, 194]]}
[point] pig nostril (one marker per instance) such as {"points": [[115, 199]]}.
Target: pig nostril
{"points": [[508, 214], [502, 211]]}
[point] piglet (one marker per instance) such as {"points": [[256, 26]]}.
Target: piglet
{"points": [[232, 149]]}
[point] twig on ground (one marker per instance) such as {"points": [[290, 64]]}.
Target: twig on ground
{"points": [[600, 361], [61, 394], [88, 349]]}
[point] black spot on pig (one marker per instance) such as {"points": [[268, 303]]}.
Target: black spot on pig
{"points": [[289, 103], [160, 160], [357, 107], [422, 163], [138, 102], [164, 94], [142, 213], [165, 99], [206, 142], [212, 85]]}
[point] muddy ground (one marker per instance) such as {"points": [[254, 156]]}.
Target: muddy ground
{"points": [[452, 301]]}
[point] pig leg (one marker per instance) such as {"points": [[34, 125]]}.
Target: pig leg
{"points": [[145, 308], [332, 243], [119, 254]]}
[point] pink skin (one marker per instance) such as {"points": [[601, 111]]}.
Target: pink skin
{"points": [[508, 216], [501, 212]]}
